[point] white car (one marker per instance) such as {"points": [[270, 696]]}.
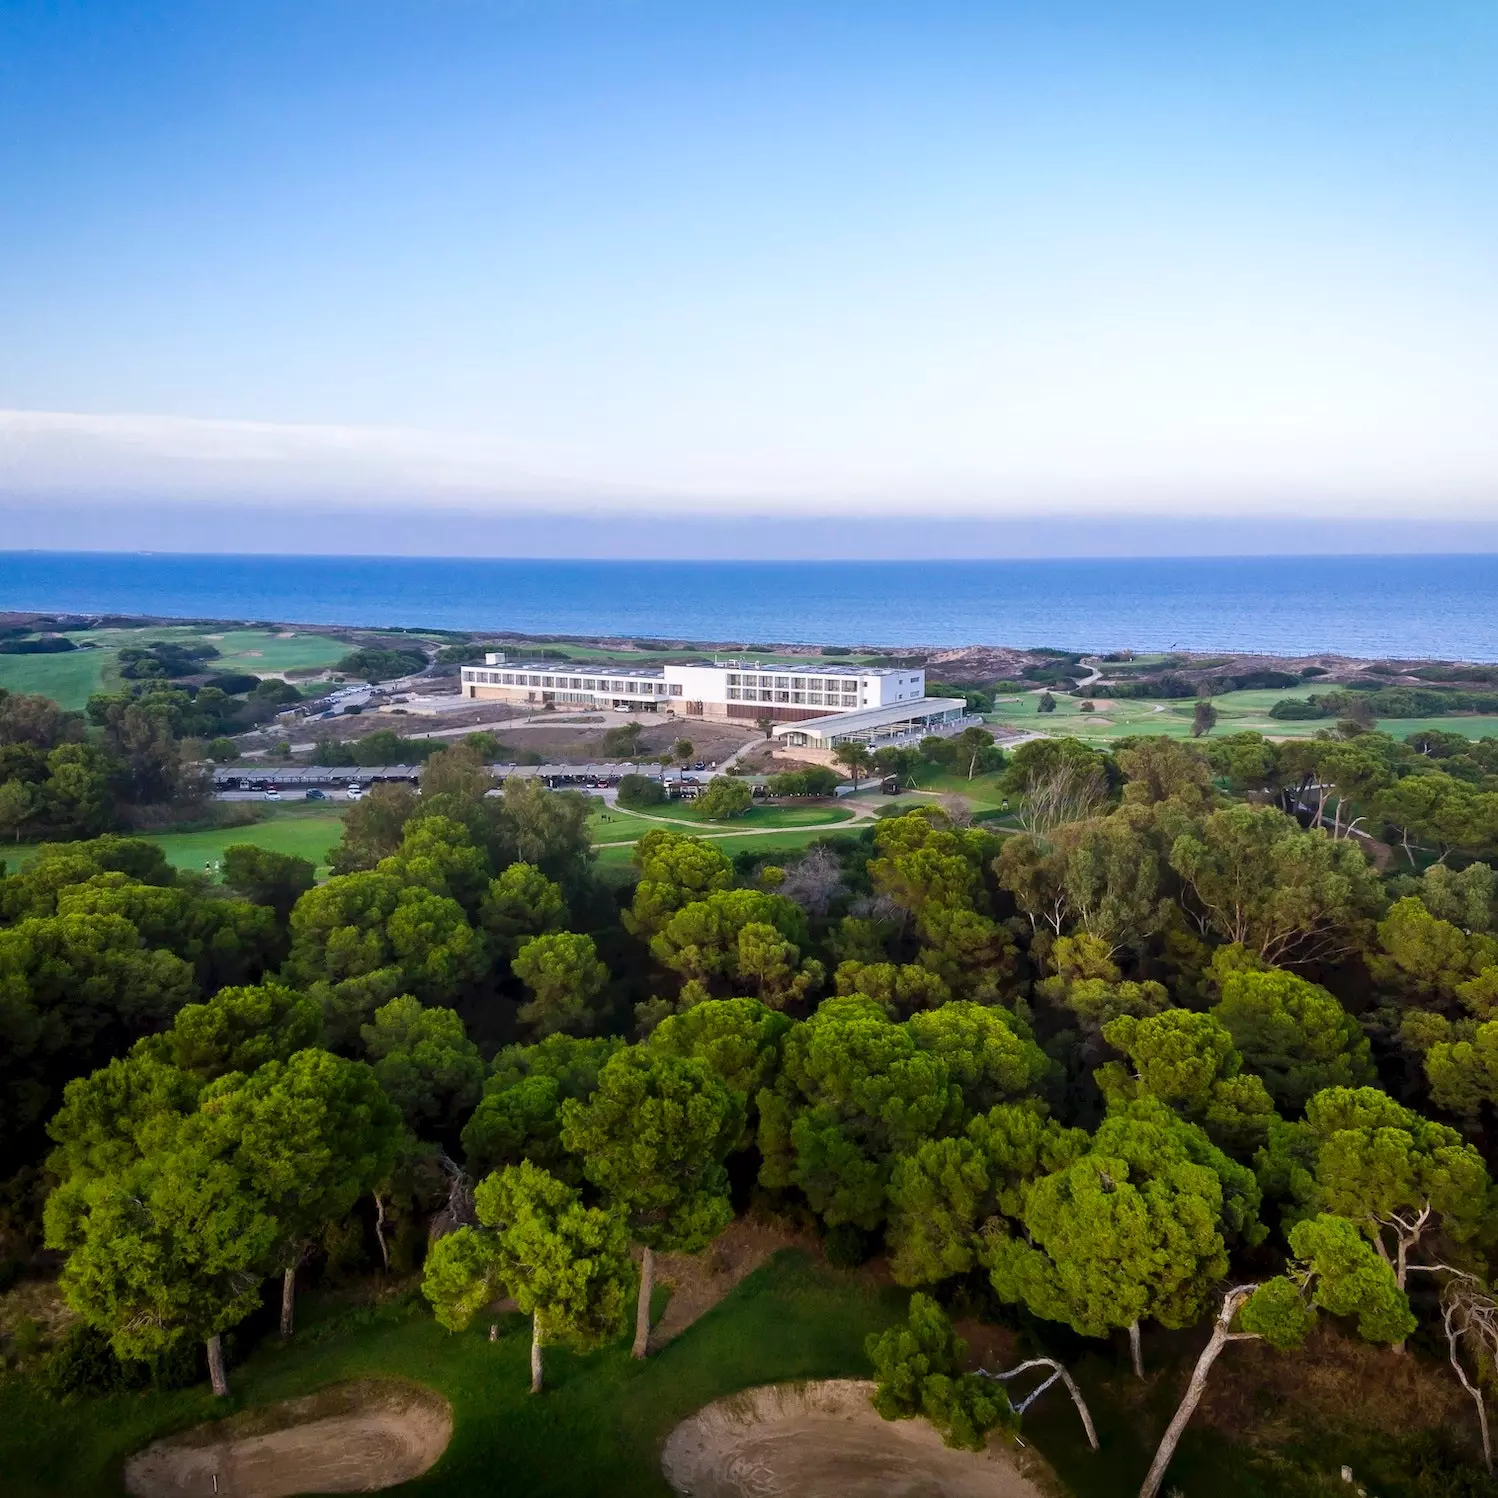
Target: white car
{"points": [[355, 791], [272, 794]]}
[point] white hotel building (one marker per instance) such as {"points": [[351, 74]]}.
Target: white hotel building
{"points": [[815, 706]]}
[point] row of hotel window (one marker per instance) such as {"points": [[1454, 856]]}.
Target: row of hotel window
{"points": [[577, 684], [800, 683], [812, 699]]}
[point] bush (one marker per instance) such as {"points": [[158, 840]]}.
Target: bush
{"points": [[83, 1363], [640, 790], [383, 747], [221, 751], [916, 1372], [847, 1246], [383, 665], [234, 683], [1296, 709], [816, 781], [1266, 680], [47, 645], [725, 798]]}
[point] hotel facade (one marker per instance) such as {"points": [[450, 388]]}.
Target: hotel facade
{"points": [[889, 703]]}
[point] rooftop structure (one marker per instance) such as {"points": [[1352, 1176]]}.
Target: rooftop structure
{"points": [[899, 723]]}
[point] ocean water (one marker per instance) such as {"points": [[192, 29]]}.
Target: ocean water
{"points": [[1445, 606]]}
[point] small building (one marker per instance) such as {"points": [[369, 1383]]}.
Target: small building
{"points": [[899, 723]]}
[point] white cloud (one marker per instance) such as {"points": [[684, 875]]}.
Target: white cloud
{"points": [[1203, 464]]}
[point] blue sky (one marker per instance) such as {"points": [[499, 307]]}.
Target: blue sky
{"points": [[982, 261]]}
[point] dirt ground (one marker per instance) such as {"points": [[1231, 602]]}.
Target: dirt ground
{"points": [[349, 1438], [825, 1440], [768, 759], [699, 1281], [582, 742], [567, 737]]}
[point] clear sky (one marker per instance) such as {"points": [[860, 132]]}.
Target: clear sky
{"points": [[925, 259]]}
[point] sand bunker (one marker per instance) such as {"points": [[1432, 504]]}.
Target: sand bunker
{"points": [[825, 1440], [349, 1438]]}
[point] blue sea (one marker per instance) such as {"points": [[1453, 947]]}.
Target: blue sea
{"points": [[1444, 606]]}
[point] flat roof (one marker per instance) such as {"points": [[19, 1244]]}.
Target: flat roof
{"points": [[572, 668], [872, 717], [760, 668]]}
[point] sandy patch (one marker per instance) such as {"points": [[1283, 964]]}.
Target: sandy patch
{"points": [[699, 1281], [349, 1438], [825, 1440]]}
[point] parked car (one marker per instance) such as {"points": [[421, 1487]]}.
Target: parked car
{"points": [[317, 795], [272, 794], [355, 790]]}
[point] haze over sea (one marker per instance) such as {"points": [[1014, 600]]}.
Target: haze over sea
{"points": [[1443, 606]]}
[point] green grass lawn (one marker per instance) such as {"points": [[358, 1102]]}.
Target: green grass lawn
{"points": [[69, 678], [308, 832], [267, 650], [617, 863], [758, 817], [611, 825], [614, 825], [1237, 712]]}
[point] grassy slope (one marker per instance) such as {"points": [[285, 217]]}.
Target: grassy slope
{"points": [[69, 678]]}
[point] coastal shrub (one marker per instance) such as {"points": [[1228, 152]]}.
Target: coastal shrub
{"points": [[817, 780], [641, 790], [234, 683], [47, 645], [380, 748], [374, 664]]}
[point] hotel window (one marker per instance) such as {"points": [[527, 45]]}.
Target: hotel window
{"points": [[782, 681], [782, 696], [815, 698], [589, 684], [733, 694], [534, 681], [733, 678], [798, 696], [676, 689]]}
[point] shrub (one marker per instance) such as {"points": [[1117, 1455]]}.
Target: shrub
{"points": [[383, 665], [640, 790], [725, 798], [816, 781], [47, 645], [916, 1369], [83, 1363]]}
